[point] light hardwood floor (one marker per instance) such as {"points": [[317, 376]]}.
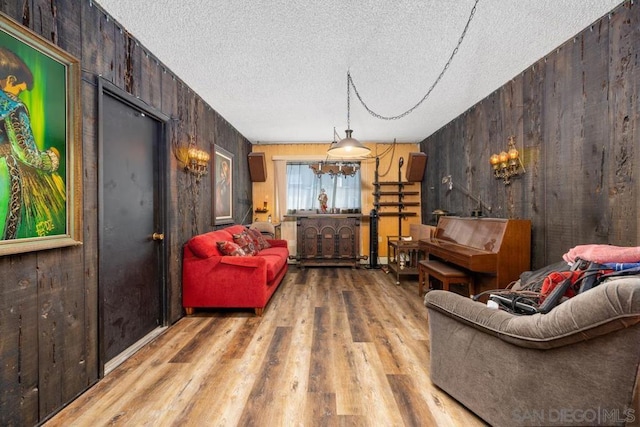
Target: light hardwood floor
{"points": [[336, 346]]}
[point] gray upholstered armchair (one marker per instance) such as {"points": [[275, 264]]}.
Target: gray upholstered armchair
{"points": [[577, 365]]}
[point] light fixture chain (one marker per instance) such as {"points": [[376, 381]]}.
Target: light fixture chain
{"points": [[410, 110], [349, 100]]}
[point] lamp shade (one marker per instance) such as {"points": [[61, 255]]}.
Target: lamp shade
{"points": [[348, 147]]}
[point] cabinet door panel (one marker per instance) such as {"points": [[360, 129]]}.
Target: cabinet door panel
{"points": [[309, 241], [328, 239], [346, 242]]}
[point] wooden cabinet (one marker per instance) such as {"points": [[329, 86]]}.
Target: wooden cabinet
{"points": [[328, 239]]}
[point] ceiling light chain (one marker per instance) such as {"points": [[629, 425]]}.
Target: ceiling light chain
{"points": [[349, 82], [410, 110]]}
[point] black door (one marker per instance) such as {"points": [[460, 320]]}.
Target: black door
{"points": [[130, 239]]}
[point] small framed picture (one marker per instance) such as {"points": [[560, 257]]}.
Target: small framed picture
{"points": [[222, 184]]}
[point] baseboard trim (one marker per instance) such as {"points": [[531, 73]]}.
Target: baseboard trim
{"points": [[130, 351]]}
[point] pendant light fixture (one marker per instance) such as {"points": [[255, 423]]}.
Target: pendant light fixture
{"points": [[348, 147]]}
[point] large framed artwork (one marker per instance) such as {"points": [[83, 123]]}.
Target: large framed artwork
{"points": [[222, 184], [40, 145]]}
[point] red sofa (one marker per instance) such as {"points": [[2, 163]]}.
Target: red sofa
{"points": [[211, 279]]}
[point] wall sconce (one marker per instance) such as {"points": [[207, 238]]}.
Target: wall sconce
{"points": [[507, 164], [197, 161]]}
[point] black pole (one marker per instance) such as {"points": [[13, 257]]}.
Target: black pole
{"points": [[400, 195], [373, 239]]}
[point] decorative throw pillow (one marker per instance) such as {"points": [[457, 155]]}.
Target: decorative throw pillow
{"points": [[259, 238], [246, 243], [230, 248]]}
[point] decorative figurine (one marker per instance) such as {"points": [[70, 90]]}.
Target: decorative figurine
{"points": [[323, 201]]}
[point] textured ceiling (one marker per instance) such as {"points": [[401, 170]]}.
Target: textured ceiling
{"points": [[277, 69]]}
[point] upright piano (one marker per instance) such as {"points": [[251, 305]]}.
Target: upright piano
{"points": [[494, 251]]}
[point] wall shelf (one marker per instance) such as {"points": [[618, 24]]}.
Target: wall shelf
{"points": [[399, 214], [395, 193], [400, 204], [397, 204]]}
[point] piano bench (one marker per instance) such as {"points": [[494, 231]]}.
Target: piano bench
{"points": [[445, 273]]}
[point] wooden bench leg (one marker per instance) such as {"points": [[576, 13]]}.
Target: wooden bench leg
{"points": [[423, 279]]}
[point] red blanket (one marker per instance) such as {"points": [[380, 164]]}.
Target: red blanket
{"points": [[603, 253]]}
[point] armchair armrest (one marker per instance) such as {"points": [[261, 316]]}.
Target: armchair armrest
{"points": [[613, 305]]}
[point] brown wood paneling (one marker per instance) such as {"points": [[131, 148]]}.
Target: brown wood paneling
{"points": [[69, 26], [176, 176], [558, 160], [121, 61], [623, 116], [597, 128], [203, 120], [534, 191], [90, 235], [512, 109], [43, 19], [17, 10], [19, 335], [61, 330], [150, 86], [98, 44], [49, 328], [574, 114], [492, 117]]}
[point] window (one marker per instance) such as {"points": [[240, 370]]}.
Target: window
{"points": [[304, 186]]}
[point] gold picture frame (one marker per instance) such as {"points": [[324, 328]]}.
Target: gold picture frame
{"points": [[40, 143]]}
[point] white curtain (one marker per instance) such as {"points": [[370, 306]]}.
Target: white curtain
{"points": [[280, 190], [303, 188]]}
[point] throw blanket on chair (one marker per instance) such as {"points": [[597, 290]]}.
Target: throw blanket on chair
{"points": [[603, 254]]}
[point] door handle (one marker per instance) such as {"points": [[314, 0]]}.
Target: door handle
{"points": [[157, 236]]}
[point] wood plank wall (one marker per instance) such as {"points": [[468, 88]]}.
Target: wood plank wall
{"points": [[48, 299], [575, 117], [575, 112]]}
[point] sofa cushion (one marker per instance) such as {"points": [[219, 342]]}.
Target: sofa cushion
{"points": [[259, 239], [206, 245], [275, 259], [235, 229], [245, 241], [231, 248]]}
